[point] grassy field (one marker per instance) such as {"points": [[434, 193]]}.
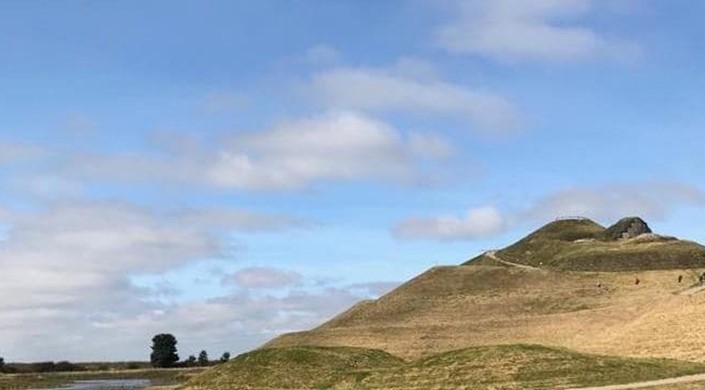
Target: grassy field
{"points": [[158, 377], [491, 367]]}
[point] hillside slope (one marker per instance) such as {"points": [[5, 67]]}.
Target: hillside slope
{"points": [[461, 306], [576, 289]]}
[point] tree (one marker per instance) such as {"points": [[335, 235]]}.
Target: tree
{"points": [[225, 357], [191, 361], [164, 351], [203, 358]]}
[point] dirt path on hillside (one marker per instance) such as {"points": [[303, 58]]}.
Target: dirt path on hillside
{"points": [[493, 255], [641, 385], [693, 290]]}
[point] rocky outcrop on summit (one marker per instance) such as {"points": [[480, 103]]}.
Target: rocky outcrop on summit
{"points": [[627, 228]]}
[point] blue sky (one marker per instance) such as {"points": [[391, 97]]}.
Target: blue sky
{"points": [[227, 171]]}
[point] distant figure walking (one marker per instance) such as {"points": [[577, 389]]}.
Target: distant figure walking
{"points": [[637, 281], [680, 278]]}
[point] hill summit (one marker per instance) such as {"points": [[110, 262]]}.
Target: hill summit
{"points": [[580, 244]]}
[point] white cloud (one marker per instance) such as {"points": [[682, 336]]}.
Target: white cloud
{"points": [[651, 200], [430, 146], [293, 154], [237, 322], [607, 203], [411, 87], [333, 146], [67, 267], [518, 30], [46, 186], [265, 277], [478, 222]]}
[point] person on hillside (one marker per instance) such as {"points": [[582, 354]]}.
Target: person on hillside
{"points": [[637, 281], [680, 278]]}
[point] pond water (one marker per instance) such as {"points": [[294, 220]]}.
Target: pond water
{"points": [[115, 384]]}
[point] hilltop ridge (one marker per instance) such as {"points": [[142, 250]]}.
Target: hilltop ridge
{"points": [[583, 245]]}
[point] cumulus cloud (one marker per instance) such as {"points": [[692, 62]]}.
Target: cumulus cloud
{"points": [[293, 154], [476, 223], [265, 277], [67, 267], [517, 30], [333, 146], [411, 87]]}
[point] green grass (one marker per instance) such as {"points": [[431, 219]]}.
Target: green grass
{"points": [[524, 367], [294, 368], [491, 367], [583, 245]]}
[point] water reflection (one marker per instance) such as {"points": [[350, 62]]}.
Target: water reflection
{"points": [[122, 384]]}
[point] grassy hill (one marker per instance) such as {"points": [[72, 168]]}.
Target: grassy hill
{"points": [[569, 286], [462, 306], [583, 245], [491, 367]]}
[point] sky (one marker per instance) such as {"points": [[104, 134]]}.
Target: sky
{"points": [[227, 171]]}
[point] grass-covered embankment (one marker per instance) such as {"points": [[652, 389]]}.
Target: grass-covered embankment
{"points": [[506, 367], [295, 368]]}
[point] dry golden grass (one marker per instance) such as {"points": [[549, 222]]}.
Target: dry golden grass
{"points": [[448, 308], [488, 301]]}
